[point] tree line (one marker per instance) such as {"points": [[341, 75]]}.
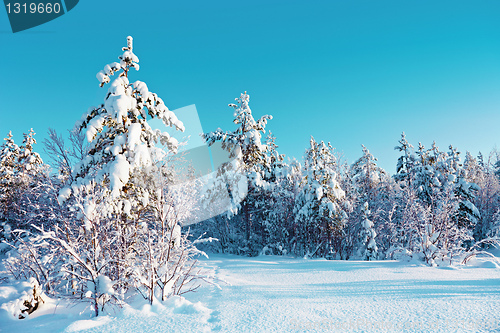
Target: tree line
{"points": [[436, 207]]}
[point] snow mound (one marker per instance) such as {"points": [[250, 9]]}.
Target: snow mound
{"points": [[7, 292], [81, 325], [183, 306], [489, 264]]}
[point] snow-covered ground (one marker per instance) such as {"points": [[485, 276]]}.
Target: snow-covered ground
{"points": [[276, 294]]}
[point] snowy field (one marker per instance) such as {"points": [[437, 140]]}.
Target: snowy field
{"points": [[276, 294]]}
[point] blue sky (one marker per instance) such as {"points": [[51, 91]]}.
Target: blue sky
{"points": [[349, 72]]}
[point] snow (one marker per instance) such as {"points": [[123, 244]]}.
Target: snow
{"points": [[105, 285], [119, 101], [142, 88], [64, 195], [102, 77], [88, 214], [118, 175], [80, 325], [134, 135], [127, 207], [94, 126], [130, 55], [281, 294]]}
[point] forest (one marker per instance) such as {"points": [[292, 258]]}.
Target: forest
{"points": [[110, 215]]}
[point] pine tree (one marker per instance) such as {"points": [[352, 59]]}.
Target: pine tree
{"points": [[29, 160], [284, 181], [404, 168], [467, 214], [366, 175], [317, 207], [36, 201], [368, 235], [427, 175], [473, 168], [368, 186], [245, 144], [121, 139], [441, 220], [23, 184], [487, 199], [9, 172]]}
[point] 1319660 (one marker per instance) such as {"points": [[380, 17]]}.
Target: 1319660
{"points": [[33, 8]]}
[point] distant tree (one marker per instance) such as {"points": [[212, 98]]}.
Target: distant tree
{"points": [[245, 144], [318, 210], [368, 235], [488, 197], [406, 161], [368, 182], [25, 185], [9, 171], [443, 216], [367, 176], [283, 185]]}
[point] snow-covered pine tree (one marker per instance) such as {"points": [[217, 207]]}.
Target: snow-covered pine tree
{"points": [[317, 207], [23, 178], [275, 161], [245, 144], [37, 200], [441, 220], [121, 139], [122, 147], [467, 214], [406, 161], [368, 235], [427, 176], [284, 181], [32, 203], [473, 168], [351, 205], [416, 179], [472, 176], [366, 176], [9, 170], [487, 199], [368, 183], [29, 160]]}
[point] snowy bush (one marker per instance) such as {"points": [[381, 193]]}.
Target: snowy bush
{"points": [[31, 299]]}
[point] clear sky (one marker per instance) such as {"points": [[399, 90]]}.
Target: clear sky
{"points": [[349, 72]]}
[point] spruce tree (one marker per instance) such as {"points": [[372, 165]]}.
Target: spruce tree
{"points": [[368, 235], [9, 173], [406, 161], [245, 146], [319, 215], [367, 175], [368, 182], [121, 141]]}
